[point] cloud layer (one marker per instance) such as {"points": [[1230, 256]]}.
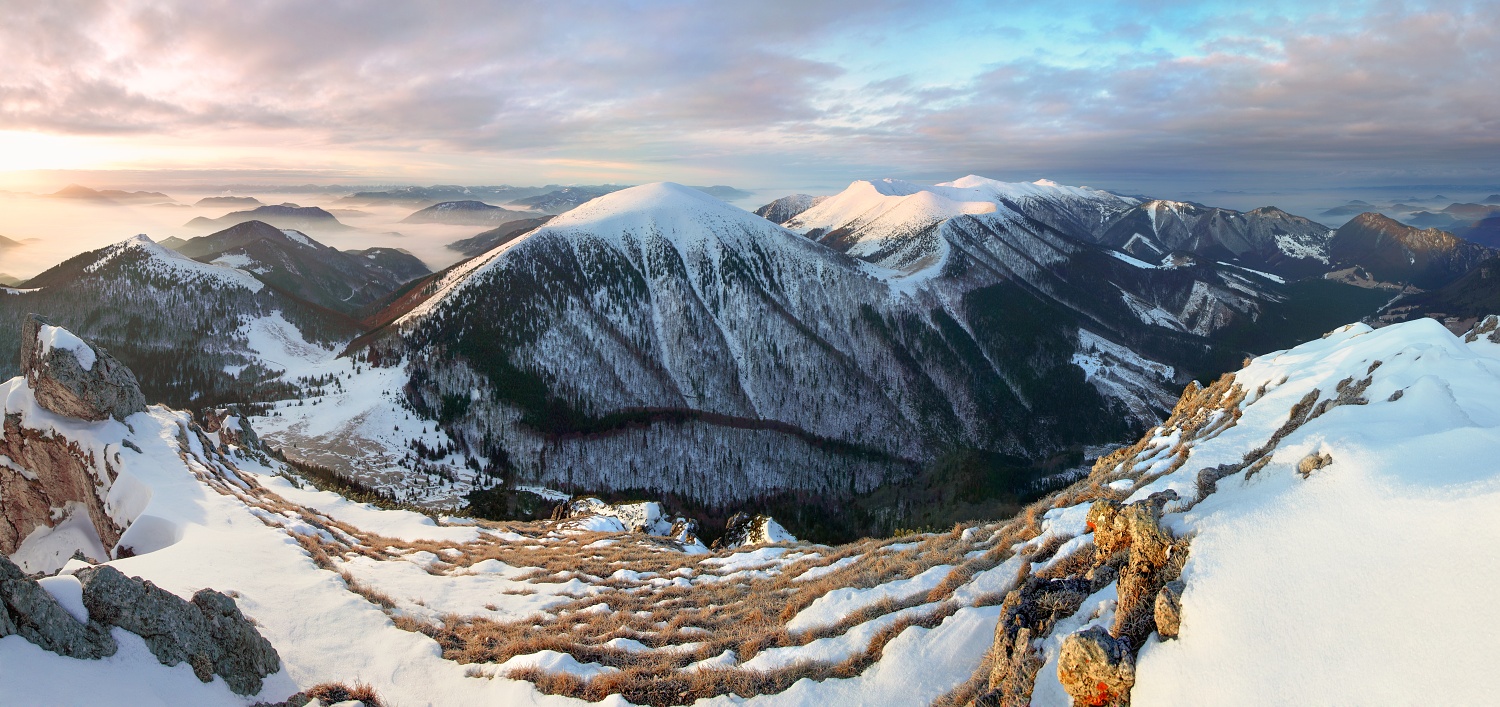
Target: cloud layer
{"points": [[773, 92]]}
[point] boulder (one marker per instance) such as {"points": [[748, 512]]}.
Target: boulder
{"points": [[209, 633], [39, 619], [1096, 668], [1169, 609], [75, 378]]}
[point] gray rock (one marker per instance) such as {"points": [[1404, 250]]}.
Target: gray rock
{"points": [[65, 386], [1096, 668], [41, 620], [245, 656], [209, 633], [1169, 609], [174, 631], [10, 570]]}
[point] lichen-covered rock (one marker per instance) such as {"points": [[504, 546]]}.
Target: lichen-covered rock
{"points": [[39, 619], [1169, 609], [75, 378], [1096, 668], [209, 633]]}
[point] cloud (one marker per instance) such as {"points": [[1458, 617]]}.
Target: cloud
{"points": [[755, 87]]}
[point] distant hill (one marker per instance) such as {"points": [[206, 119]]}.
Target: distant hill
{"points": [[228, 201], [1395, 252], [495, 237], [467, 212], [788, 207], [299, 266], [426, 196], [8, 243], [726, 193], [76, 191], [9, 280], [565, 199], [171, 243], [280, 216]]}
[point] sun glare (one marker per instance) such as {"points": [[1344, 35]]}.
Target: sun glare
{"points": [[22, 150]]}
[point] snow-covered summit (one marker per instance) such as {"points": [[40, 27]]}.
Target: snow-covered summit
{"points": [[673, 211], [151, 258], [894, 223]]}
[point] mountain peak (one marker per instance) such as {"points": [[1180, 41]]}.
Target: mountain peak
{"points": [[659, 202]]}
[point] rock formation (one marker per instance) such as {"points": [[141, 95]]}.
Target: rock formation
{"points": [[209, 633], [75, 378]]}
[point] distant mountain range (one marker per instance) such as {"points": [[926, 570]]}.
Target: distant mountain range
{"points": [[656, 339], [74, 191]]}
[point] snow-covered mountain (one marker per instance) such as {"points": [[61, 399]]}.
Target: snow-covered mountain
{"points": [[188, 328], [1266, 238], [657, 338], [301, 267], [883, 215]]}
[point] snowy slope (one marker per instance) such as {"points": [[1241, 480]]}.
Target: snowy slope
{"points": [[1333, 503], [324, 578]]}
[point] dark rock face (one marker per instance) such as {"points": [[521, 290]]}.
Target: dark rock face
{"points": [[30, 612], [209, 633], [62, 382]]}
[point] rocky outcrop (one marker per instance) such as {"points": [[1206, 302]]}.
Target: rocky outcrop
{"points": [[43, 473], [1096, 668], [1028, 612], [75, 378], [748, 529], [46, 479], [208, 633]]}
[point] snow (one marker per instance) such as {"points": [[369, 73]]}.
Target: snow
{"points": [[915, 668], [296, 236], [554, 662], [239, 261], [68, 592], [1133, 261], [1273, 278], [52, 337], [833, 649], [407, 526], [829, 568], [48, 549], [170, 263], [833, 606], [1369, 581]]}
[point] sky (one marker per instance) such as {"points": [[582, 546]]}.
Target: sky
{"points": [[1155, 97]]}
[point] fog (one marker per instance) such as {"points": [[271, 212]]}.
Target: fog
{"points": [[52, 230]]}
